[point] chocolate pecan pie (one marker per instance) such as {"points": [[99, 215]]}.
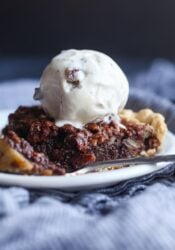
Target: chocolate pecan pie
{"points": [[33, 144]]}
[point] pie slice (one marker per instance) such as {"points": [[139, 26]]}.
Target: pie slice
{"points": [[32, 144]]}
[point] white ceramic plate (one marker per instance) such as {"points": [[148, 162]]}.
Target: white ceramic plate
{"points": [[87, 181]]}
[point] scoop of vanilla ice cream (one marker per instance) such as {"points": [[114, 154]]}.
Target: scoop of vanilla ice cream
{"points": [[79, 86]]}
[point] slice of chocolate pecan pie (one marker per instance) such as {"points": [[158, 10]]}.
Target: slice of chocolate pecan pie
{"points": [[33, 144]]}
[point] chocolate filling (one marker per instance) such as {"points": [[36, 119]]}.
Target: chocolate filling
{"points": [[32, 133]]}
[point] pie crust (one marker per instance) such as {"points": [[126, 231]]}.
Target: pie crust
{"points": [[147, 116]]}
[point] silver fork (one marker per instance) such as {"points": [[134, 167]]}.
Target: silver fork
{"points": [[119, 163]]}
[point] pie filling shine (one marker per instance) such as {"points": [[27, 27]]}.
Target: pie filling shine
{"points": [[32, 144]]}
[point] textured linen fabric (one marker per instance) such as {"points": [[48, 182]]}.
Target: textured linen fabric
{"points": [[134, 214]]}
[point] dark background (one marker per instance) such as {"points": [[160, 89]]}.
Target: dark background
{"points": [[121, 28]]}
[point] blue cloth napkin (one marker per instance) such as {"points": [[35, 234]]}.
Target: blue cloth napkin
{"points": [[135, 214]]}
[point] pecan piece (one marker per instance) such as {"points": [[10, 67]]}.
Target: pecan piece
{"points": [[71, 76]]}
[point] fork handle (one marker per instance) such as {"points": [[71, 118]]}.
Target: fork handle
{"points": [[134, 161]]}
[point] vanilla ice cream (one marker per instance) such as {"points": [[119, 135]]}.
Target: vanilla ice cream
{"points": [[79, 86]]}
